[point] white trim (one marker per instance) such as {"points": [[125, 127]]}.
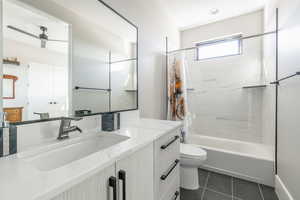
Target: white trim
{"points": [[281, 190], [218, 39]]}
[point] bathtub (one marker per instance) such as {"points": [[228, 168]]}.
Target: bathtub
{"points": [[250, 161]]}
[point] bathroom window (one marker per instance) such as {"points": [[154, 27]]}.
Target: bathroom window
{"points": [[229, 46]]}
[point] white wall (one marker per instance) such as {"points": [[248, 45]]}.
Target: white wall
{"points": [[220, 106], [154, 25], [288, 95]]}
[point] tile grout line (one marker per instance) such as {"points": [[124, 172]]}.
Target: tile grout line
{"points": [[205, 185], [223, 194], [260, 191]]}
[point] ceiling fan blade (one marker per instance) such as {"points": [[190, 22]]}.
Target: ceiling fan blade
{"points": [[51, 40], [21, 31]]}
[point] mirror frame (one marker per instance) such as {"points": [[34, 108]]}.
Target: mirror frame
{"points": [[69, 93], [14, 79]]}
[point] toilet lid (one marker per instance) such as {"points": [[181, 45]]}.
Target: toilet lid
{"points": [[190, 151]]}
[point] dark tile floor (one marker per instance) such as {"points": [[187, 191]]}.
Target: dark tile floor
{"points": [[215, 186]]}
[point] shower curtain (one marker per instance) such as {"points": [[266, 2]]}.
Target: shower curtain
{"points": [[177, 91]]}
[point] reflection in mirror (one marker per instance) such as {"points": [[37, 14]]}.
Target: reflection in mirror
{"points": [[124, 85], [35, 51], [124, 72], [103, 75], [71, 58]]}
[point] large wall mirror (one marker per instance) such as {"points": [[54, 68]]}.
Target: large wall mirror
{"points": [[67, 58]]}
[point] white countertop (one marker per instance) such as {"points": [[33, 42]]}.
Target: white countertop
{"points": [[21, 180]]}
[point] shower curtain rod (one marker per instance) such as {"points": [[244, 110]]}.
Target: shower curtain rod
{"points": [[242, 38]]}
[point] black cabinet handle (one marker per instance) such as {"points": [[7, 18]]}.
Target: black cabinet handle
{"points": [[169, 143], [176, 195], [112, 182], [165, 176], [122, 177]]}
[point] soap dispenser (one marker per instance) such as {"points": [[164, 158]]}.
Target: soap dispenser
{"points": [[110, 122]]}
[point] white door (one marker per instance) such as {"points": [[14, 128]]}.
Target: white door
{"points": [[59, 96], [39, 89], [47, 90], [135, 175]]}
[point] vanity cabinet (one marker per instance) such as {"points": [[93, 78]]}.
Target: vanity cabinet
{"points": [[130, 178], [150, 173], [167, 167]]}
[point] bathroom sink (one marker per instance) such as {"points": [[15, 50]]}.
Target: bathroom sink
{"points": [[69, 153]]}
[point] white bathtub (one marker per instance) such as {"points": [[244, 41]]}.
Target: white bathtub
{"points": [[250, 161]]}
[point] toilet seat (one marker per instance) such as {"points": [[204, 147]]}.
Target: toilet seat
{"points": [[193, 152]]}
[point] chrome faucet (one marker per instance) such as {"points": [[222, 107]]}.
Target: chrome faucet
{"points": [[182, 135], [65, 127]]}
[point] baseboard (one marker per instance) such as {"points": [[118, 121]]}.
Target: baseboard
{"points": [[281, 190]]}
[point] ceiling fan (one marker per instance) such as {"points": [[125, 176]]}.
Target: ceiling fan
{"points": [[43, 37]]}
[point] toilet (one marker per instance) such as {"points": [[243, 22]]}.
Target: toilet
{"points": [[191, 158]]}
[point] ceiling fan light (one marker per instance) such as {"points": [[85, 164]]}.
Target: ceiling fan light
{"points": [[43, 36]]}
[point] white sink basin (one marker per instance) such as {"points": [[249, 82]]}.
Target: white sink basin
{"points": [[69, 153]]}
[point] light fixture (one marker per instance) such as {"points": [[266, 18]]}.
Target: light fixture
{"points": [[43, 37], [214, 11]]}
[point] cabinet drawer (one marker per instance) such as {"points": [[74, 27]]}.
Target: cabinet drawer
{"points": [[167, 166], [171, 174], [13, 117], [166, 156], [13, 114], [13, 111], [173, 191]]}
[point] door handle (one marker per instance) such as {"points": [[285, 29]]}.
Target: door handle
{"points": [[122, 177], [176, 195], [165, 175], [112, 182]]}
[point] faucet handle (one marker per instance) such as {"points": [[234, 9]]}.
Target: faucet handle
{"points": [[4, 122]]}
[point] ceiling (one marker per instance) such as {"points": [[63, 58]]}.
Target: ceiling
{"points": [[30, 21], [98, 14], [191, 13]]}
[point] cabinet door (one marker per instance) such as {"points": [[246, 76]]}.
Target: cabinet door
{"points": [[94, 188], [135, 175]]}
